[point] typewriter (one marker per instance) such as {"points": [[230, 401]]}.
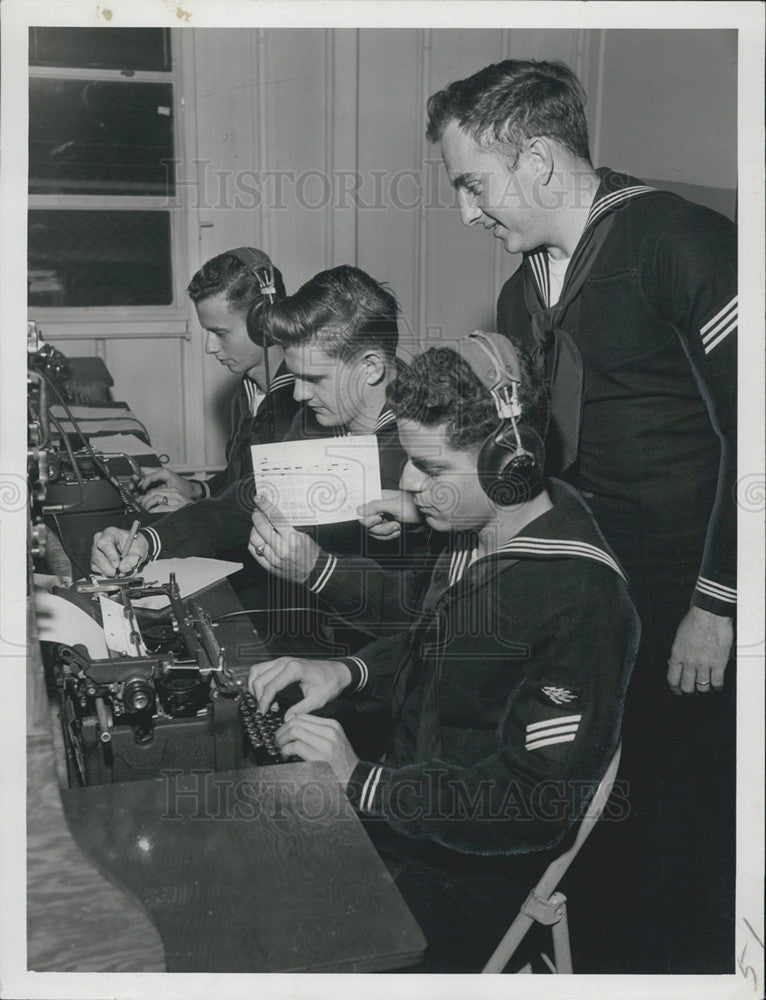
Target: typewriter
{"points": [[175, 701]]}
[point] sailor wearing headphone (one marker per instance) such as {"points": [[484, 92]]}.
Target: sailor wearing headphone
{"points": [[507, 677], [229, 293]]}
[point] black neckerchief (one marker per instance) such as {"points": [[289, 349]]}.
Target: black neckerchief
{"points": [[557, 356]]}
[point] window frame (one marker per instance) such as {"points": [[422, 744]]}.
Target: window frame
{"points": [[59, 321]]}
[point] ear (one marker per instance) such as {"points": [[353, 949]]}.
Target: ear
{"points": [[542, 156], [374, 366]]}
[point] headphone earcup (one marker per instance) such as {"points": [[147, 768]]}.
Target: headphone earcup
{"points": [[254, 323], [509, 475]]}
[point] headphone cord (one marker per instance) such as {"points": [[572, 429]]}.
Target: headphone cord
{"points": [[269, 611]]}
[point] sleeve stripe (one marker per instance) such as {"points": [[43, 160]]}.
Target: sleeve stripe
{"points": [[542, 738], [325, 575], [368, 790], [723, 315], [549, 742], [717, 590], [155, 545], [364, 672], [550, 722], [710, 344]]}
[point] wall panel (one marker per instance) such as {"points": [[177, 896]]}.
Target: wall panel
{"points": [[460, 261], [136, 367], [389, 147], [678, 121], [310, 142]]}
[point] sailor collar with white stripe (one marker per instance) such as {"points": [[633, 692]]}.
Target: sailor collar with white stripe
{"points": [[613, 193], [565, 531], [282, 377], [385, 417]]}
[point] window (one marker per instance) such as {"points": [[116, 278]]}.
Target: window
{"points": [[102, 143]]}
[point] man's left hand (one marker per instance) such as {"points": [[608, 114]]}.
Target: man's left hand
{"points": [[277, 546], [312, 738], [162, 500], [700, 652]]}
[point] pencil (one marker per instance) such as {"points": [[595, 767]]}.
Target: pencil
{"points": [[130, 539]]}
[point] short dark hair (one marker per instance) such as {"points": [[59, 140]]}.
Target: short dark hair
{"points": [[227, 275], [439, 387], [511, 101], [343, 310]]}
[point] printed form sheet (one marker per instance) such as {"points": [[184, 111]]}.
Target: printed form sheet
{"points": [[321, 481]]}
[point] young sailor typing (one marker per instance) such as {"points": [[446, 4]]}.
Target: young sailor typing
{"points": [[505, 690]]}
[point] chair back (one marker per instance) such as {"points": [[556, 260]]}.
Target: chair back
{"points": [[555, 871]]}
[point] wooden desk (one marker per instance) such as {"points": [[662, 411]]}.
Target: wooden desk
{"points": [[77, 921], [259, 870], [264, 870]]}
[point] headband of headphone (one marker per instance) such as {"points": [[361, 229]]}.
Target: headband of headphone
{"points": [[259, 263], [510, 464], [493, 360]]}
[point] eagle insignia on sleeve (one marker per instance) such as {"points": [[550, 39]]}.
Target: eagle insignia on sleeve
{"points": [[559, 696]]}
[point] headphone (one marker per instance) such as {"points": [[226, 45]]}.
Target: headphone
{"points": [[266, 275], [510, 464]]}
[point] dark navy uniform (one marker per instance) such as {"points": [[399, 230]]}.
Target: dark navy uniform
{"points": [[653, 327], [505, 693], [250, 424]]}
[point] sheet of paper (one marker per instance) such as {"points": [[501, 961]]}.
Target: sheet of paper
{"points": [[192, 574], [119, 631], [121, 444], [321, 481], [58, 620]]}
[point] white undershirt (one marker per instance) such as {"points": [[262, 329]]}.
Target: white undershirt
{"points": [[556, 272]]}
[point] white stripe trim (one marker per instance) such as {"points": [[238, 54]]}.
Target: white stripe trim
{"points": [[610, 201], [716, 589], [365, 786], [549, 742], [549, 722], [282, 380], [325, 575], [458, 565], [552, 731], [707, 329], [384, 418], [540, 274], [368, 791], [364, 671], [157, 543], [562, 547], [710, 344], [724, 323]]}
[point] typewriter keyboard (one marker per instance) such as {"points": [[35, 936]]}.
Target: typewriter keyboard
{"points": [[260, 729]]}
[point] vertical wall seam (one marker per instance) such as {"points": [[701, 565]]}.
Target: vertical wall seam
{"points": [[329, 141], [260, 131], [599, 98], [421, 230], [499, 251]]}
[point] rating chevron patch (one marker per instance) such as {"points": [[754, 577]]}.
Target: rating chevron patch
{"points": [[552, 731]]}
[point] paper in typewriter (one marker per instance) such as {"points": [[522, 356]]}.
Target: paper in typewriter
{"points": [[321, 481]]}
